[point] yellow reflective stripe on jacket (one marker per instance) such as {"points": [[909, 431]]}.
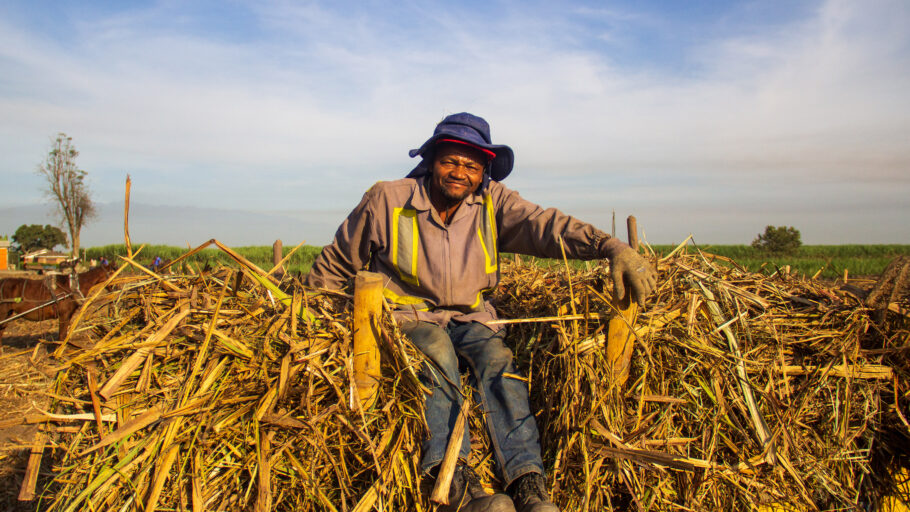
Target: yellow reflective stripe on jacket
{"points": [[405, 238], [405, 300], [487, 233], [478, 304]]}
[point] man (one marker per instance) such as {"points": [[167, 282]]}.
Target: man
{"points": [[436, 236]]}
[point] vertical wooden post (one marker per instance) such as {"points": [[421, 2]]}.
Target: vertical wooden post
{"points": [[620, 338], [367, 312], [632, 230], [126, 218], [277, 253]]}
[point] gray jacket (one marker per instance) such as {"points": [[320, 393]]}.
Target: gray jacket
{"points": [[437, 272]]}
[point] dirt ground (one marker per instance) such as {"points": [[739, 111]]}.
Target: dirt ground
{"points": [[25, 373]]}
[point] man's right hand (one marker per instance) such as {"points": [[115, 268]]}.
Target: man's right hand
{"points": [[632, 274]]}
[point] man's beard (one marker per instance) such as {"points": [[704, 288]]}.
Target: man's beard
{"points": [[450, 195], [454, 196]]}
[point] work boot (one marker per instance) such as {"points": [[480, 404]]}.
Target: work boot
{"points": [[467, 494], [529, 492]]}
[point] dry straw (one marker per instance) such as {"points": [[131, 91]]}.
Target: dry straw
{"points": [[744, 390], [224, 400]]}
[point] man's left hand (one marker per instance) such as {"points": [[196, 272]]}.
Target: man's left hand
{"points": [[632, 274]]}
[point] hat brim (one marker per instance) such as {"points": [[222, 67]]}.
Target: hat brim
{"points": [[501, 165]]}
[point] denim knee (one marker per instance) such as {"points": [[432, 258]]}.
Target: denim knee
{"points": [[497, 356], [485, 349], [436, 345]]}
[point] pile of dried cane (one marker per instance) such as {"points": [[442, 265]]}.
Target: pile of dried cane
{"points": [[745, 390], [204, 392]]}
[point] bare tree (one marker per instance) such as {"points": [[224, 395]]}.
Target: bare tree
{"points": [[67, 188]]}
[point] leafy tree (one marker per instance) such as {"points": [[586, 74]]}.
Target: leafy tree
{"points": [[67, 188], [33, 237], [780, 239]]}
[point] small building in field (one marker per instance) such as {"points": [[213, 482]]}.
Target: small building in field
{"points": [[4, 253], [44, 259]]}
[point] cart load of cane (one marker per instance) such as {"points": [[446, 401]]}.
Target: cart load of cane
{"points": [[234, 390]]}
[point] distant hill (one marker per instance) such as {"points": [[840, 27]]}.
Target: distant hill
{"points": [[182, 225]]}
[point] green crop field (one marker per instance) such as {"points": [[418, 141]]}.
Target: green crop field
{"points": [[827, 261], [831, 260], [301, 261]]}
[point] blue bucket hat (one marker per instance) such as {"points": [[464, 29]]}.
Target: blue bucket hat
{"points": [[473, 130]]}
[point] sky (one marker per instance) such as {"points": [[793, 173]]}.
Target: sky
{"points": [[711, 118]]}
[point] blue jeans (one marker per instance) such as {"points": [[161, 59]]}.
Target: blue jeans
{"points": [[507, 412]]}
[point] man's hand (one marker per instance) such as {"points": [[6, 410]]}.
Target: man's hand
{"points": [[632, 273]]}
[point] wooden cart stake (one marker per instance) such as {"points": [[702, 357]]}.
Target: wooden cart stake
{"points": [[620, 338], [367, 311]]}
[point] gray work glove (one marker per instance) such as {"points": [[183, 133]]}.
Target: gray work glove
{"points": [[632, 273]]}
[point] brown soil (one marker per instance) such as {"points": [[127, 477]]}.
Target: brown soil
{"points": [[25, 373]]}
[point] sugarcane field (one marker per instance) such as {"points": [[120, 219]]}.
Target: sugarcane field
{"points": [[236, 388]]}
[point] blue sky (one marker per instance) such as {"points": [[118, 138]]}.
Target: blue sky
{"points": [[711, 118]]}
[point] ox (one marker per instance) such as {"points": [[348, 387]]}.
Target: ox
{"points": [[44, 299]]}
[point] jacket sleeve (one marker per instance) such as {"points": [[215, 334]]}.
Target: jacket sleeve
{"points": [[350, 251], [526, 228]]}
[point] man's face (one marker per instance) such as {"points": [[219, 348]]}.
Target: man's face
{"points": [[457, 171]]}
